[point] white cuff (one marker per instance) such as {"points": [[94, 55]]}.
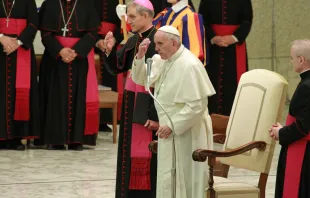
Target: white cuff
{"points": [[1, 35], [211, 41], [138, 61], [19, 42], [235, 38]]}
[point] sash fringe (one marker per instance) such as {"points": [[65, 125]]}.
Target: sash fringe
{"points": [[140, 174], [22, 104], [92, 118]]}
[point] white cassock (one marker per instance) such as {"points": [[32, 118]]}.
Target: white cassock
{"points": [[182, 86]]}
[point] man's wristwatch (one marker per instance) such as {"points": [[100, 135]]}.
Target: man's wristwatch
{"points": [[18, 41]]}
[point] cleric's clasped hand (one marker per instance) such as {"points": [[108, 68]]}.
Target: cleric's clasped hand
{"points": [[274, 131]]}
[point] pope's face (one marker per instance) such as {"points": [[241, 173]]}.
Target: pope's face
{"points": [[163, 45]]}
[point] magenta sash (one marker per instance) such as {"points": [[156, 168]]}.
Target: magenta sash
{"points": [[140, 178], [23, 69], [92, 96], [241, 64], [294, 160]]}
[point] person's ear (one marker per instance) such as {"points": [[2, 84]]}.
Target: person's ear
{"points": [[302, 59], [145, 15], [174, 43]]}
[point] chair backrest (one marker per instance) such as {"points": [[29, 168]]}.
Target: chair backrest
{"points": [[258, 104]]}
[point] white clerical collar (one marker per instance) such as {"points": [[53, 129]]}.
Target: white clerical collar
{"points": [[179, 6], [177, 54], [304, 71]]}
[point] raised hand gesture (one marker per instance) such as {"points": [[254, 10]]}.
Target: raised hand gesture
{"points": [[144, 45], [109, 42]]}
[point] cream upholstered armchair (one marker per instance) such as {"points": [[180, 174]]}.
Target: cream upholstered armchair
{"points": [[258, 104]]}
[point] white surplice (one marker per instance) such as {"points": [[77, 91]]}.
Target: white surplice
{"points": [[182, 86]]}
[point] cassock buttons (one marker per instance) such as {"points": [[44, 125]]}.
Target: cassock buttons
{"points": [[224, 12]]}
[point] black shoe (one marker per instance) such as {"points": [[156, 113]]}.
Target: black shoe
{"points": [[16, 144], [38, 142], [104, 128], [56, 147], [20, 147], [75, 147], [4, 144]]}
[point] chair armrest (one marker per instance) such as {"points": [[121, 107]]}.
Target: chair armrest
{"points": [[201, 155], [153, 146]]}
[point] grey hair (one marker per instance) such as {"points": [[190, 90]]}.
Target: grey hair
{"points": [[174, 37], [302, 48], [140, 9]]}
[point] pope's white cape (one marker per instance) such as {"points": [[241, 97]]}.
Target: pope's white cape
{"points": [[182, 86]]}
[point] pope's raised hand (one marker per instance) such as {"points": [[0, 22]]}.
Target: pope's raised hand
{"points": [[144, 45]]}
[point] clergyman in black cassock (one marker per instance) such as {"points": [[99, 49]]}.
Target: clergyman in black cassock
{"points": [[136, 176], [293, 174], [18, 88], [109, 22], [68, 85], [227, 25]]}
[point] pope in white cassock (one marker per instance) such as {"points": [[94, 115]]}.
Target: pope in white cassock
{"points": [[182, 86]]}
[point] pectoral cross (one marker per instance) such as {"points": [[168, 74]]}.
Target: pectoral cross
{"points": [[64, 30], [7, 21]]}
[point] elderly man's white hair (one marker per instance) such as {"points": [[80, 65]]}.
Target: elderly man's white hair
{"points": [[302, 48]]}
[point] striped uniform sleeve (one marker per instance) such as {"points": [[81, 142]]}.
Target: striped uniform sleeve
{"points": [[193, 35], [158, 20]]}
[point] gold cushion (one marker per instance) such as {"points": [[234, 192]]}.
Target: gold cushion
{"points": [[226, 188]]}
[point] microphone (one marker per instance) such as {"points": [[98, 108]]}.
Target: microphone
{"points": [[149, 62]]}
